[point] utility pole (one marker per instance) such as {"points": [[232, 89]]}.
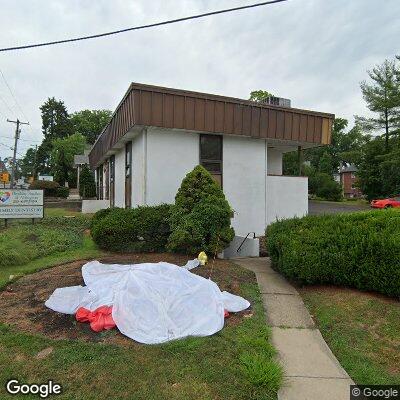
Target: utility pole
{"points": [[14, 163]]}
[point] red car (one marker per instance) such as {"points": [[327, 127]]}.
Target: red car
{"points": [[386, 203]]}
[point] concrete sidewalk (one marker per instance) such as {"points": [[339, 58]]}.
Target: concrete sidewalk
{"points": [[311, 370]]}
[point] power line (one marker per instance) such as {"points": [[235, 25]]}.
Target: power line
{"points": [[23, 140], [12, 94], [136, 28]]}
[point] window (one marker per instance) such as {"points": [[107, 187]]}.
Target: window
{"points": [[211, 155], [112, 181], [100, 187]]}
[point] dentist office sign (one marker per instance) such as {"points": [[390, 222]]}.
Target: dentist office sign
{"points": [[15, 203]]}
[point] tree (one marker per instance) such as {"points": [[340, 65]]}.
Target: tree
{"points": [[62, 158], [201, 216], [259, 95], [27, 164], [383, 99], [55, 125], [90, 123], [326, 164], [87, 186]]}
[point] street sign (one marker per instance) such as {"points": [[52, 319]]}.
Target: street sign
{"points": [[16, 203], [4, 177]]}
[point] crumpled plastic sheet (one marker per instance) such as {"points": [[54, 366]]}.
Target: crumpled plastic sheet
{"points": [[151, 302]]}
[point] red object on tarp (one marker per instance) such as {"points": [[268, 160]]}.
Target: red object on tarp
{"points": [[226, 314], [99, 319]]}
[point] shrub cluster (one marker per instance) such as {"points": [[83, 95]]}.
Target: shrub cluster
{"points": [[63, 192], [200, 217], [50, 188], [87, 186], [323, 185], [142, 229], [360, 250], [199, 220]]}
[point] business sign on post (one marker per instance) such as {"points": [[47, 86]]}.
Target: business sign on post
{"points": [[21, 203]]}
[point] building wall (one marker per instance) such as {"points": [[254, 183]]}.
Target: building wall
{"points": [[138, 169], [120, 178], [274, 161], [244, 182], [170, 156], [348, 181], [287, 197]]}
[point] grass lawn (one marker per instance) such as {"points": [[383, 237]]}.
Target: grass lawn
{"points": [[362, 330], [236, 363]]}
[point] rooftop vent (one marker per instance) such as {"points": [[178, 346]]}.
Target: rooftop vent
{"points": [[276, 101]]}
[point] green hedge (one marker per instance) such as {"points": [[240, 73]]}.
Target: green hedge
{"points": [[50, 187], [360, 250], [63, 192], [142, 229]]}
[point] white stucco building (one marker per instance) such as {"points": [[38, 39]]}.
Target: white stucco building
{"points": [[157, 135]]}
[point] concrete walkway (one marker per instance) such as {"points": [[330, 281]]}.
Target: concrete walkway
{"points": [[311, 370]]}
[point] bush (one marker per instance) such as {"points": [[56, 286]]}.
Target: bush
{"points": [[87, 185], [323, 185], [200, 218], [50, 188], [99, 215], [142, 229], [63, 192], [360, 250]]}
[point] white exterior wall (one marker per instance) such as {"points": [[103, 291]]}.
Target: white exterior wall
{"points": [[120, 178], [170, 156], [244, 182], [138, 169], [274, 161], [287, 197]]}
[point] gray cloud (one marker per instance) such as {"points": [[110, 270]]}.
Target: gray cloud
{"points": [[313, 51]]}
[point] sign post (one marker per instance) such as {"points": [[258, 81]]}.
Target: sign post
{"points": [[21, 204]]}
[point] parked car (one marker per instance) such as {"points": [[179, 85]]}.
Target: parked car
{"points": [[386, 203]]}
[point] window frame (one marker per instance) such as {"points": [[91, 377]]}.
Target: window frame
{"points": [[206, 160]]}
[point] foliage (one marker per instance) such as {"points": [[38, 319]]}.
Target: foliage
{"points": [[99, 215], [50, 188], [323, 186], [87, 184], [142, 229], [382, 96], [62, 157], [90, 123], [27, 164], [360, 250], [55, 125], [200, 217], [259, 95], [63, 192]]}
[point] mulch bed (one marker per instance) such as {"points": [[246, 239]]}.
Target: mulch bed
{"points": [[22, 302]]}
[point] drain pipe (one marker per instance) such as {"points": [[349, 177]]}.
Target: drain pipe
{"points": [[144, 194]]}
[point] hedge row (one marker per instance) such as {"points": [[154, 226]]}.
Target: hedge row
{"points": [[142, 229], [360, 250]]}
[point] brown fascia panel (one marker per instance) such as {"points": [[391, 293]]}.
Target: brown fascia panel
{"points": [[147, 105]]}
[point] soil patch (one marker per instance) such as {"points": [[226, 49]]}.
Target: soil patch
{"points": [[22, 302]]}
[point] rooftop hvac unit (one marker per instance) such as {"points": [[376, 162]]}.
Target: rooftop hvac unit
{"points": [[277, 101]]}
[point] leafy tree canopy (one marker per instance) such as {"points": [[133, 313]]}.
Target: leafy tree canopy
{"points": [[259, 95], [90, 123]]}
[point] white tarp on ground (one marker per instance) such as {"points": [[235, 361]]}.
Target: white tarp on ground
{"points": [[152, 302]]}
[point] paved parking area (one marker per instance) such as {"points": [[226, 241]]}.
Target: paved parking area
{"points": [[325, 207]]}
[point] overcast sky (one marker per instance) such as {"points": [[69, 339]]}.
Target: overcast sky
{"points": [[314, 52]]}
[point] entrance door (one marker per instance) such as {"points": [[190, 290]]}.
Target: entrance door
{"points": [[128, 175], [112, 181]]}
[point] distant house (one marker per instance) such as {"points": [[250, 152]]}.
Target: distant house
{"points": [[348, 180], [157, 135]]}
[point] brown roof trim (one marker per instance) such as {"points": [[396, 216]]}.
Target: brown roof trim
{"points": [[148, 105], [210, 96]]}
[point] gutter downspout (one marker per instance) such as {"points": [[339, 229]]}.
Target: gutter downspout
{"points": [[144, 189]]}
